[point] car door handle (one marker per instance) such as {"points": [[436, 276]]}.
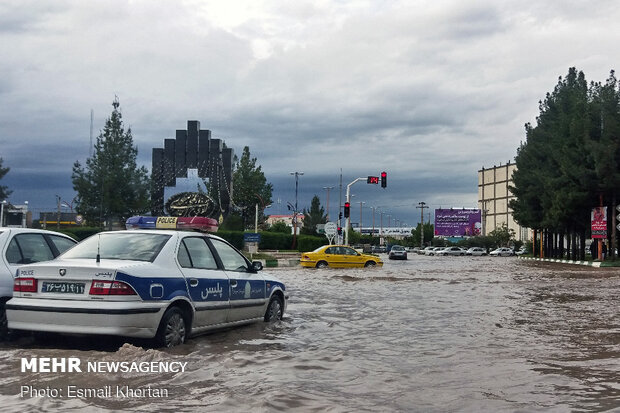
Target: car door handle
{"points": [[233, 283], [193, 282]]}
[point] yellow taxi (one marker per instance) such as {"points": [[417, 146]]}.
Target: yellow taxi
{"points": [[338, 256]]}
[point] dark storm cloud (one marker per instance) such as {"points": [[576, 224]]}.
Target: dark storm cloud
{"points": [[428, 91]]}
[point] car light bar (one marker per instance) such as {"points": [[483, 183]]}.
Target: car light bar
{"points": [[180, 223], [25, 285], [110, 288]]}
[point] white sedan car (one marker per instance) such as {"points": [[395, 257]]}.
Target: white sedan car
{"points": [[166, 285], [502, 252], [451, 251], [476, 251], [433, 251], [19, 246]]}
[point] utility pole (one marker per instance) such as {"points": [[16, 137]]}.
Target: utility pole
{"points": [[421, 205], [327, 188], [297, 174], [340, 208], [58, 217]]}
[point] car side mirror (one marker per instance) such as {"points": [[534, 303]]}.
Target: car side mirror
{"points": [[257, 266]]}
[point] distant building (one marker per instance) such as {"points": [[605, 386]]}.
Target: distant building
{"points": [[493, 198], [16, 216]]}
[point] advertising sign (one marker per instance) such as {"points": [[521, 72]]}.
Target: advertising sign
{"points": [[599, 222], [251, 237], [457, 222]]}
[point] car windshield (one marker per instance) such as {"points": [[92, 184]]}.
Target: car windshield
{"points": [[120, 246], [397, 248]]}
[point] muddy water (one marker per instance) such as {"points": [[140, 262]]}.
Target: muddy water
{"points": [[429, 334]]}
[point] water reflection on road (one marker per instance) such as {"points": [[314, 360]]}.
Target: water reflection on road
{"points": [[427, 334]]}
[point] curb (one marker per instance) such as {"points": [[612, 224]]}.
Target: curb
{"points": [[596, 264]]}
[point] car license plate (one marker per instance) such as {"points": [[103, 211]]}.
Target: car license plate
{"points": [[63, 287]]}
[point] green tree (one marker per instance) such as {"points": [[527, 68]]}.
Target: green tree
{"points": [[250, 188], [502, 236], [111, 186], [568, 160], [429, 233], [4, 191], [281, 227], [316, 215]]}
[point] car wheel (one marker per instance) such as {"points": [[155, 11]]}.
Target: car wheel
{"points": [[274, 309], [172, 329], [370, 264], [321, 264]]}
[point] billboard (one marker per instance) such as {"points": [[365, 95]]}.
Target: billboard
{"points": [[457, 222], [598, 217]]}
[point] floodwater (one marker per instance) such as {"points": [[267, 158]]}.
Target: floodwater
{"points": [[431, 334]]}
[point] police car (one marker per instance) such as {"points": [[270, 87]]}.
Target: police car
{"points": [[166, 285]]}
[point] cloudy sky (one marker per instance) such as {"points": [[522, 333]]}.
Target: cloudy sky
{"points": [[429, 91]]}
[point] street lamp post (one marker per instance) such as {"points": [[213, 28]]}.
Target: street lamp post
{"points": [[297, 174], [373, 220], [361, 203], [422, 205]]}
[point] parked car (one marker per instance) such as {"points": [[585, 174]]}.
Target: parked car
{"points": [[476, 251], [397, 252], [155, 284], [521, 251], [19, 246], [377, 249], [433, 251], [502, 252], [451, 251], [423, 251], [338, 256]]}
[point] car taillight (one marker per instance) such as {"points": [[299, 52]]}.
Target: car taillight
{"points": [[25, 285], [110, 288]]}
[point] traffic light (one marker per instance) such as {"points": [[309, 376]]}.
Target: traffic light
{"points": [[339, 230], [347, 209], [340, 215], [383, 179]]}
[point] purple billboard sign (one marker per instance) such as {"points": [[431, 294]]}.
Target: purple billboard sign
{"points": [[457, 222]]}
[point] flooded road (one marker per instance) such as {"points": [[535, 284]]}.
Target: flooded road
{"points": [[431, 334]]}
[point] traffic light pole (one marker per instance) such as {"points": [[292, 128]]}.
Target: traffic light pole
{"points": [[348, 223]]}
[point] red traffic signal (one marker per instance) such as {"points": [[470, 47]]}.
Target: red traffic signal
{"points": [[383, 179], [347, 209], [372, 180]]}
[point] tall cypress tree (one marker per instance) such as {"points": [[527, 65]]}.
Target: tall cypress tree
{"points": [[111, 185], [314, 216], [250, 187], [571, 159]]}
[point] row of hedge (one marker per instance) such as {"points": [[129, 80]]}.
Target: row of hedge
{"points": [[269, 240], [276, 240]]}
